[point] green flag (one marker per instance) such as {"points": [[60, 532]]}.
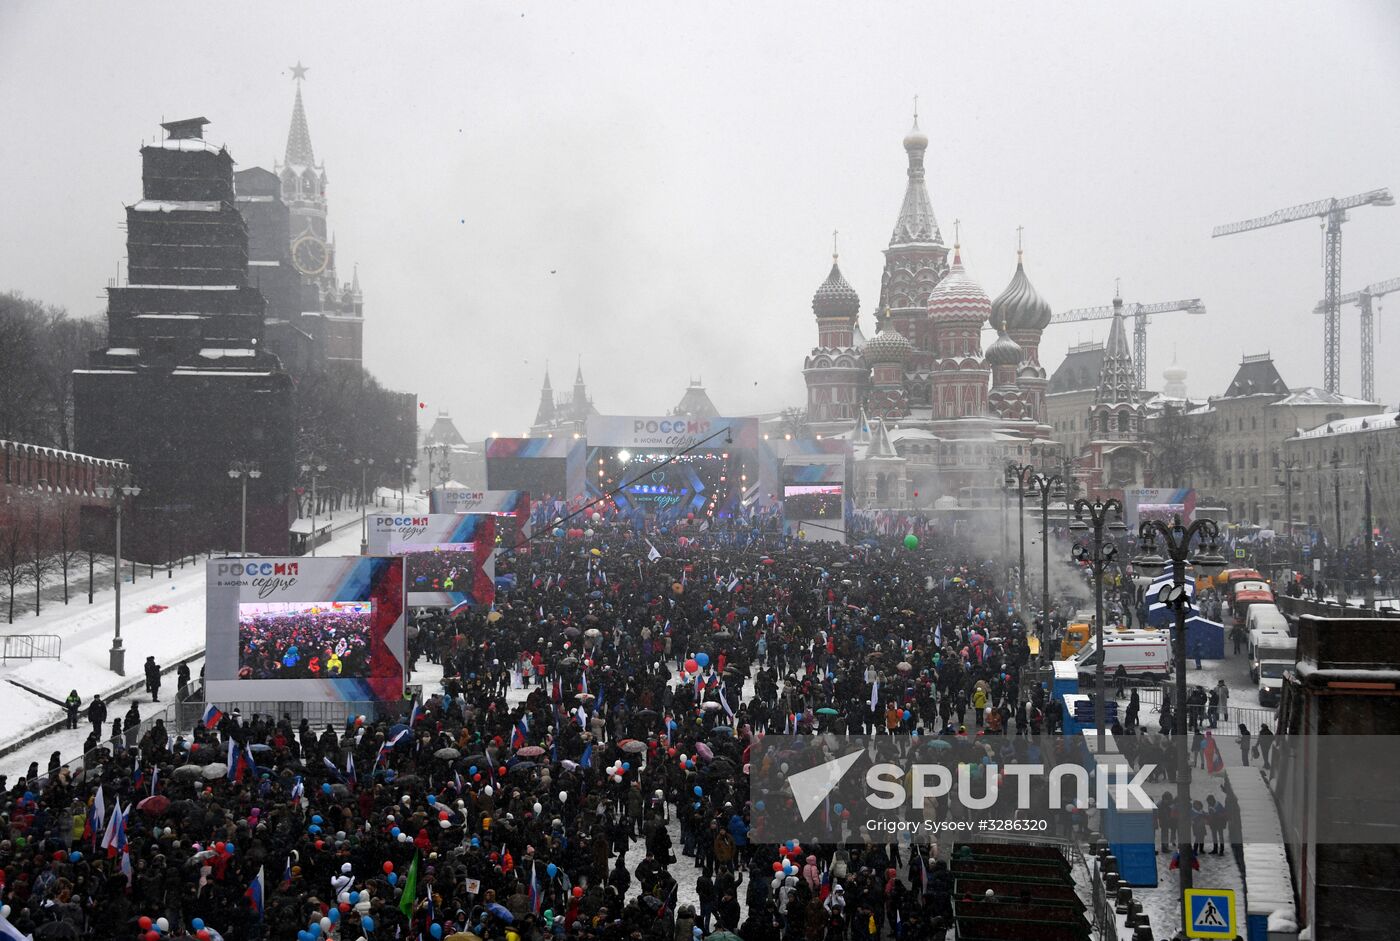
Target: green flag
{"points": [[410, 888]]}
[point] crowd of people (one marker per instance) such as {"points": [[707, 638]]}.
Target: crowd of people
{"points": [[301, 641], [591, 728]]}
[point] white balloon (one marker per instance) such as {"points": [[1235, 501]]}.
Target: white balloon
{"points": [[538, 808], [326, 925], [487, 790], [563, 796]]}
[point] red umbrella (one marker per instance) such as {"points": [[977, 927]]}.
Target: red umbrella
{"points": [[155, 805]]}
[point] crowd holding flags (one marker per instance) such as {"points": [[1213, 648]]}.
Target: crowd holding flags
{"points": [[213, 715]]}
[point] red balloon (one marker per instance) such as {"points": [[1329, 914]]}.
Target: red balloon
{"points": [[501, 769], [388, 868], [202, 934], [145, 922], [578, 891], [153, 936], [219, 846], [344, 907], [320, 844], [477, 776], [443, 815], [777, 867]]}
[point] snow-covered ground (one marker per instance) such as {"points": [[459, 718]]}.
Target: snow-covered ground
{"points": [[31, 691]]}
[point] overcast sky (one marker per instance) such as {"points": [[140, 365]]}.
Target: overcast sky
{"points": [[654, 187]]}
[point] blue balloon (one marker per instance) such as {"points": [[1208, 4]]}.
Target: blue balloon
{"points": [[627, 766], [197, 923], [907, 715], [317, 819], [797, 717], [435, 930], [395, 833], [366, 922], [758, 805], [837, 807], [325, 788], [303, 935], [354, 897], [432, 798], [74, 856], [697, 790], [334, 916], [703, 659], [393, 878], [228, 848], [313, 829], [552, 869]]}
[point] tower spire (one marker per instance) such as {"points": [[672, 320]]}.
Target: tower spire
{"points": [[1020, 229], [299, 152]]}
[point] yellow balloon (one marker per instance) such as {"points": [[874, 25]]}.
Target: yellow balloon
{"points": [[596, 551]]}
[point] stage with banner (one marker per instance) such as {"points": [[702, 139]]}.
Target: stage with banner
{"points": [[1165, 504], [673, 468], [307, 629], [449, 558], [548, 469]]}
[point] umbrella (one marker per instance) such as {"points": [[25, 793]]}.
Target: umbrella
{"points": [[500, 911], [188, 772], [521, 766], [704, 751], [723, 730], [646, 713], [632, 746], [396, 729], [722, 635], [569, 662], [477, 759], [721, 766], [725, 936], [583, 697], [57, 930], [904, 666], [827, 711], [571, 632], [938, 744], [259, 748], [215, 771], [447, 754], [529, 751], [592, 631], [155, 805], [463, 936], [340, 790]]}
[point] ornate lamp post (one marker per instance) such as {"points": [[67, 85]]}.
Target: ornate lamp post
{"points": [[1046, 486], [116, 490], [1206, 556], [1102, 515], [1016, 475], [315, 467], [244, 470]]}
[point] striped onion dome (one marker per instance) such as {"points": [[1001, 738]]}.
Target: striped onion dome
{"points": [[1020, 306], [958, 297]]}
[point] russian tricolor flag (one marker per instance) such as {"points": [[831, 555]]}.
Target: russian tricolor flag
{"points": [[255, 893], [213, 715]]}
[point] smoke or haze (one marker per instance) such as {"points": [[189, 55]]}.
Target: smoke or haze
{"points": [[654, 188]]}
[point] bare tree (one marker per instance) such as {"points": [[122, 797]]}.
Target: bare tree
{"points": [[68, 549], [1183, 449], [40, 561], [13, 560], [794, 422]]}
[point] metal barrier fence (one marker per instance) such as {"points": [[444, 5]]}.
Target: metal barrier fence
{"points": [[180, 718], [1252, 717], [30, 647]]}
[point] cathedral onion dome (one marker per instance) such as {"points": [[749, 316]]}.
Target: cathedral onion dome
{"points": [[835, 297], [915, 139], [1020, 306], [958, 297], [1004, 351], [888, 346], [1174, 373]]}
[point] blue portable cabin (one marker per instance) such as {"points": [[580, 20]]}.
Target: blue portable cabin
{"points": [[1128, 829]]}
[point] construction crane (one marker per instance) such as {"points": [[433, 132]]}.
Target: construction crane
{"points": [[1334, 212], [1363, 299], [1139, 314]]}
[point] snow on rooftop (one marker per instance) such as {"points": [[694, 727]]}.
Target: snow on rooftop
{"points": [[122, 351], [177, 205], [214, 352], [1350, 426], [264, 264], [170, 317], [1312, 395], [217, 372], [189, 145]]}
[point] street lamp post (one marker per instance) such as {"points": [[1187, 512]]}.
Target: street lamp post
{"points": [[403, 479], [1016, 478], [1102, 515], [1047, 487], [116, 491], [1369, 544], [244, 470], [364, 464], [1178, 540], [315, 468]]}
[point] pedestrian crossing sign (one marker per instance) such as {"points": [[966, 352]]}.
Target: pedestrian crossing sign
{"points": [[1210, 913]]}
